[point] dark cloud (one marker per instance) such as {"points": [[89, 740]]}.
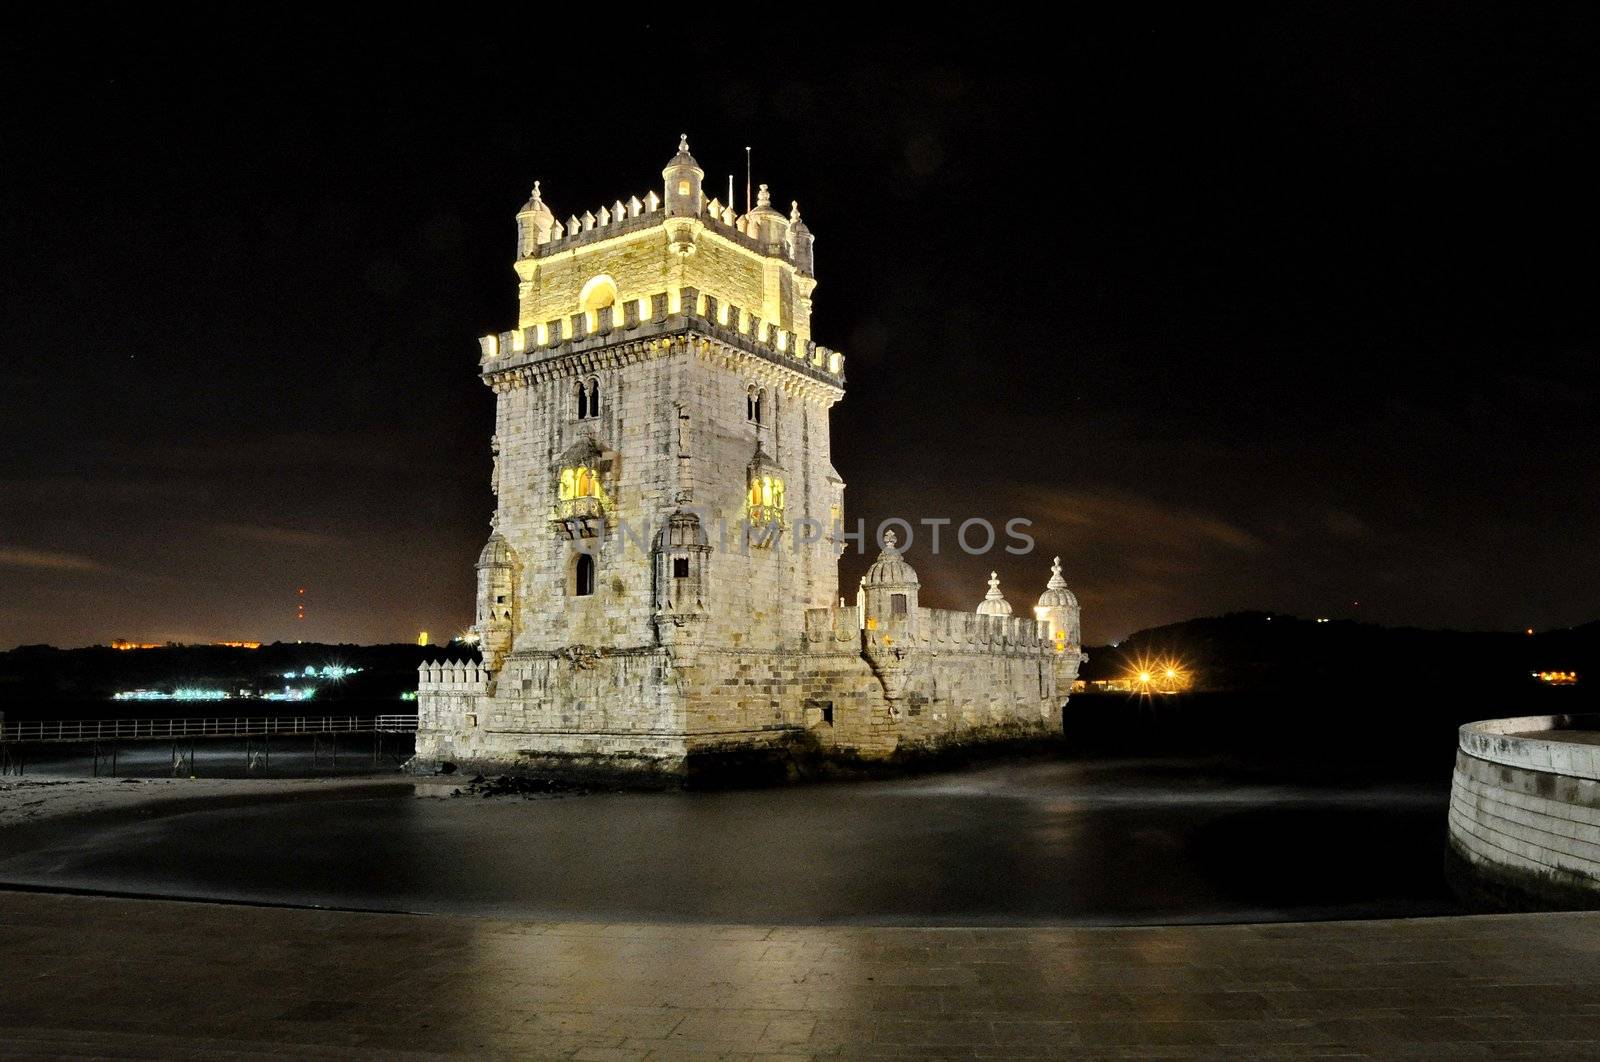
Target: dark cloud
{"points": [[46, 561]]}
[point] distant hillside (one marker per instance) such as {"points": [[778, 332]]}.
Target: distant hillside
{"points": [[1259, 651]]}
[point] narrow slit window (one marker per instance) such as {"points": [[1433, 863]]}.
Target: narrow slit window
{"points": [[583, 576]]}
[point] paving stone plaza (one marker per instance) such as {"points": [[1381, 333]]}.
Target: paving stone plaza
{"points": [[129, 978]]}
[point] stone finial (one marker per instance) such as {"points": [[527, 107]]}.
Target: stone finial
{"points": [[994, 603], [889, 537], [794, 211], [683, 143], [1056, 581], [763, 198], [537, 198]]}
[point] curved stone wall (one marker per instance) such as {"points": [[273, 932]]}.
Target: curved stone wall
{"points": [[1525, 810]]}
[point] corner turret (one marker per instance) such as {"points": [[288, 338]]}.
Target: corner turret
{"points": [[1059, 608], [681, 182], [534, 223]]}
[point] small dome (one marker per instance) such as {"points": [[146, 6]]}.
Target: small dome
{"points": [[535, 206], [497, 553], [993, 604], [1057, 596], [682, 529], [890, 569], [683, 160]]}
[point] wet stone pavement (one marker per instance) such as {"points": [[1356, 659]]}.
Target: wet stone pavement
{"points": [[162, 979]]}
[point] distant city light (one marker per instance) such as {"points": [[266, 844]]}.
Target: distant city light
{"points": [[183, 693], [422, 637], [1557, 678], [291, 693]]}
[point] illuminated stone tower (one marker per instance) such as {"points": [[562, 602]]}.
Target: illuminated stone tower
{"points": [[662, 468], [659, 590]]}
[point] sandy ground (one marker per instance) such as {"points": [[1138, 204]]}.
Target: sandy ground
{"points": [[25, 800]]}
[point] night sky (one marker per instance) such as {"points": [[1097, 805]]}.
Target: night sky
{"points": [[1290, 309]]}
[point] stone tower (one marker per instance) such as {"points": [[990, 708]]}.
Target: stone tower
{"points": [[660, 405], [659, 591]]}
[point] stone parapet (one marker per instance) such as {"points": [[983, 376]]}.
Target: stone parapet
{"points": [[1525, 810]]}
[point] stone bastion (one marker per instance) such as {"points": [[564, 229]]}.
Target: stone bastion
{"points": [[1525, 812]]}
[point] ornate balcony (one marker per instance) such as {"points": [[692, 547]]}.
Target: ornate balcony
{"points": [[578, 518]]}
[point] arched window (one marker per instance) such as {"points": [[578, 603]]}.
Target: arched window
{"points": [[753, 397], [583, 575], [597, 294], [586, 394]]}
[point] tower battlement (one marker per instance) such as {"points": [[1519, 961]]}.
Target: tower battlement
{"points": [[667, 241], [655, 315], [764, 237]]}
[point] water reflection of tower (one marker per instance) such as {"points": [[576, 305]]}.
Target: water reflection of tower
{"points": [[300, 604]]}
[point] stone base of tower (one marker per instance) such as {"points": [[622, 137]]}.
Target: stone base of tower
{"points": [[654, 716]]}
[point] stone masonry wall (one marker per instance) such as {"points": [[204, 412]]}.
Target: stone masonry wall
{"points": [[1525, 811]]}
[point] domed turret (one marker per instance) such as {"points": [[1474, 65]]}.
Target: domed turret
{"points": [[681, 180], [887, 603], [764, 224], [534, 222], [1058, 607], [497, 599], [497, 553], [890, 570], [799, 242], [993, 604]]}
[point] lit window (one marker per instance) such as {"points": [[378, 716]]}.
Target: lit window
{"points": [[578, 483], [683, 187], [597, 294], [765, 499]]}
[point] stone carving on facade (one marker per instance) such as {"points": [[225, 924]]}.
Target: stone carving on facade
{"points": [[580, 657]]}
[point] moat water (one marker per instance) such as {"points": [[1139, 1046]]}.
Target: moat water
{"points": [[1125, 841]]}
